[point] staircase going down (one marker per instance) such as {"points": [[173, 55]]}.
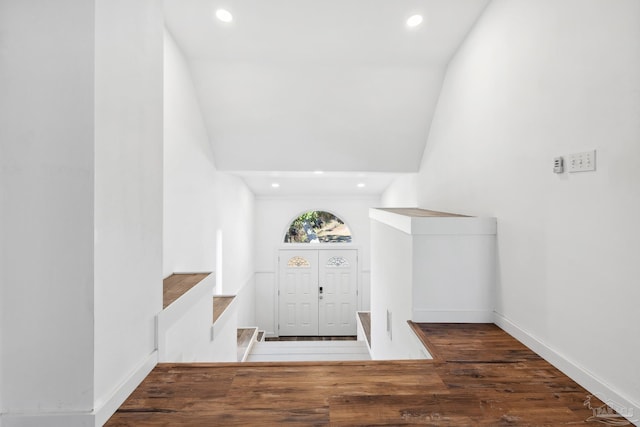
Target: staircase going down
{"points": [[308, 351]]}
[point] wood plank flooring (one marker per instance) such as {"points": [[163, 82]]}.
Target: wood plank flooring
{"points": [[174, 286], [482, 377]]}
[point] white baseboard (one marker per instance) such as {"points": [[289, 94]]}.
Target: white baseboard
{"points": [[452, 316], [80, 419], [113, 402], [595, 386]]}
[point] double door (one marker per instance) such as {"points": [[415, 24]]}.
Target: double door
{"points": [[318, 292]]}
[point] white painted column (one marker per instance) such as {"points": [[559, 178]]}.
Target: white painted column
{"points": [[47, 193]]}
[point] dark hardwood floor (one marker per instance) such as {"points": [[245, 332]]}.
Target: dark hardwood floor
{"points": [[481, 377]]}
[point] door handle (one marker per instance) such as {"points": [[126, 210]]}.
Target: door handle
{"points": [[320, 292]]}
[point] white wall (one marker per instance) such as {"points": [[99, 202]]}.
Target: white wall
{"points": [[246, 303], [2, 281], [535, 80], [199, 200], [128, 189], [202, 205], [236, 207], [46, 184], [225, 336], [402, 192], [236, 227], [189, 339], [391, 290], [273, 217], [189, 173], [265, 288], [184, 326]]}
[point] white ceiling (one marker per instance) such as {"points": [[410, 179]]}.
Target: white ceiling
{"points": [[302, 184], [332, 85]]}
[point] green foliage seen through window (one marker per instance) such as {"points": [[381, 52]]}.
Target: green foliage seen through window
{"points": [[318, 227]]}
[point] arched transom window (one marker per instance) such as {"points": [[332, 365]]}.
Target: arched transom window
{"points": [[318, 227]]}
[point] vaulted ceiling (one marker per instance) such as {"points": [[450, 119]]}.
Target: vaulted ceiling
{"points": [[331, 85]]}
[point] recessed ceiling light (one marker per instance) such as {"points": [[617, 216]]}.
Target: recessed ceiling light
{"points": [[275, 185], [318, 172], [224, 15], [361, 185], [414, 21]]}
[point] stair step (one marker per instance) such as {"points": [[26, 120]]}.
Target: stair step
{"points": [[220, 304], [290, 351], [364, 318], [246, 339]]}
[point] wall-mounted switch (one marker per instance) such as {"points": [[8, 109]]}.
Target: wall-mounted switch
{"points": [[558, 165], [581, 162]]}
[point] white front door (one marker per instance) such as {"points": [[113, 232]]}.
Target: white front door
{"points": [[298, 293], [318, 292], [338, 295]]}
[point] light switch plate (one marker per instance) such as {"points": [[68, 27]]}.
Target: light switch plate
{"points": [[581, 162], [558, 165]]}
